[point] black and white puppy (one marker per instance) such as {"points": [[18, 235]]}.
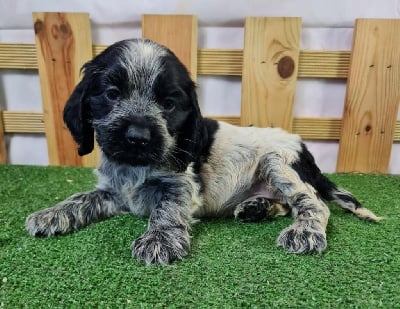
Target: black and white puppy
{"points": [[160, 158]]}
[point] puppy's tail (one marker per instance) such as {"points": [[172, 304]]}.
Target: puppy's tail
{"points": [[332, 193]]}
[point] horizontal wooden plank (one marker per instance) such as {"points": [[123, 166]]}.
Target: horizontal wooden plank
{"points": [[308, 128], [326, 64], [220, 62], [23, 122], [235, 120], [97, 49], [18, 56], [33, 122], [317, 128], [228, 62]]}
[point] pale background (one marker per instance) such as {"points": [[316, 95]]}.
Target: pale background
{"points": [[326, 25]]}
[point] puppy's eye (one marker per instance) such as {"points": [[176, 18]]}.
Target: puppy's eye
{"points": [[113, 94], [168, 104]]}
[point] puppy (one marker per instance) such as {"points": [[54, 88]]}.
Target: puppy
{"points": [[161, 159]]}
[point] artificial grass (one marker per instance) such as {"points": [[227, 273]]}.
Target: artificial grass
{"points": [[230, 264]]}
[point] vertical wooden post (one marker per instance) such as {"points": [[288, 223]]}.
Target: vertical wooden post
{"points": [[63, 42], [178, 33], [3, 151], [270, 65], [372, 97]]}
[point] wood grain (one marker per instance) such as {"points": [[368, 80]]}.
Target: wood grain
{"points": [[18, 56], [372, 97], [23, 122], [267, 98], [178, 33], [64, 44], [228, 62]]}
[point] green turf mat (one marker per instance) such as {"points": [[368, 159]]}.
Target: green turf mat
{"points": [[230, 264]]}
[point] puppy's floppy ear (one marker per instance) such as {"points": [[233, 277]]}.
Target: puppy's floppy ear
{"points": [[78, 119], [193, 133]]}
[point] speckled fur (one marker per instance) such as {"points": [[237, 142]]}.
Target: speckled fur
{"points": [[161, 159]]}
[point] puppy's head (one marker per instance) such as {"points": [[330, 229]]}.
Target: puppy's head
{"points": [[141, 102]]}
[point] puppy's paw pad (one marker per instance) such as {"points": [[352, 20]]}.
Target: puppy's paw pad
{"points": [[252, 210], [161, 246], [297, 239]]}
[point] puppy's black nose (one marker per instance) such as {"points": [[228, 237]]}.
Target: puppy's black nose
{"points": [[137, 135]]}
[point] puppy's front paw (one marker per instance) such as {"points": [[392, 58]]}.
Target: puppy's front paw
{"points": [[161, 246], [47, 222], [301, 239]]}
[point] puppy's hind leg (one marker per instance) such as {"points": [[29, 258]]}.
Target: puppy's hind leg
{"points": [[307, 232], [74, 213], [333, 193], [309, 172]]}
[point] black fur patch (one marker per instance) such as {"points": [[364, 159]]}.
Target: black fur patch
{"points": [[306, 167], [309, 172], [349, 199], [212, 127]]}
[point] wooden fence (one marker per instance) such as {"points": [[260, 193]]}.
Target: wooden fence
{"points": [[270, 64]]}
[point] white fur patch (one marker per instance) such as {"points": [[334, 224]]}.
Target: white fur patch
{"points": [[234, 158], [144, 54]]}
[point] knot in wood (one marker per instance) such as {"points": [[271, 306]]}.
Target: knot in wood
{"points": [[38, 26], [64, 29], [286, 67]]}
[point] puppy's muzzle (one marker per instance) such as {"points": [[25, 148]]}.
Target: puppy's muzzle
{"points": [[137, 135]]}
